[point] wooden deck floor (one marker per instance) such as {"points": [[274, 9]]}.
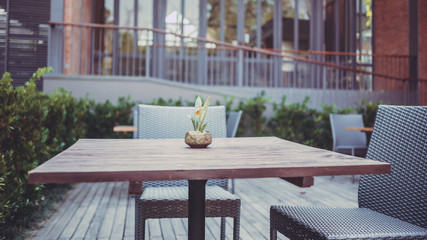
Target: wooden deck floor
{"points": [[106, 211]]}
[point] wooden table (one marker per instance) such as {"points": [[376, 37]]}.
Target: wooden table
{"points": [[124, 128], [364, 129], [135, 160]]}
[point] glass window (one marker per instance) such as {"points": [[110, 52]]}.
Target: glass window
{"points": [[173, 21], [126, 18], [145, 13], [303, 9], [251, 22], [107, 48], [288, 8], [127, 13], [231, 21], [304, 15], [108, 12], [213, 14], [145, 19], [364, 31], [191, 20], [267, 14]]}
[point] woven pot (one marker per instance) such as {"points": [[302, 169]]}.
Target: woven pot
{"points": [[196, 139]]}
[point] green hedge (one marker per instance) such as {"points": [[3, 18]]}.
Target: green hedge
{"points": [[26, 141], [35, 126]]}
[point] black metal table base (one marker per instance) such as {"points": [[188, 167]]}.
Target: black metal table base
{"points": [[196, 209]]}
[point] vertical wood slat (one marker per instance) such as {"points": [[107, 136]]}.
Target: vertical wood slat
{"points": [[25, 38]]}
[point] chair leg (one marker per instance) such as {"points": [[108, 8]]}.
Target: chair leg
{"points": [[139, 220], [143, 229], [236, 228], [273, 233], [222, 228], [352, 153], [232, 186]]}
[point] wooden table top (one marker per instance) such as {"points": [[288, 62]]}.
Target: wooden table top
{"points": [[97, 160], [364, 129]]}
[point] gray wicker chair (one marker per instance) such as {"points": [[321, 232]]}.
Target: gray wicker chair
{"points": [[233, 121], [391, 206], [169, 199], [345, 141]]}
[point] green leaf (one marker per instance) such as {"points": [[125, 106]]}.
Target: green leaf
{"points": [[198, 103], [204, 110], [203, 127]]}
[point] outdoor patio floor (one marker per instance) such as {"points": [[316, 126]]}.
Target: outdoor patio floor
{"points": [[106, 210]]}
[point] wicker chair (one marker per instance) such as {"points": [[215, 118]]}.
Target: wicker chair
{"points": [[233, 123], [345, 141], [391, 206], [169, 199]]}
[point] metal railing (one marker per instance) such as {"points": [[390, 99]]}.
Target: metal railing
{"points": [[96, 49]]}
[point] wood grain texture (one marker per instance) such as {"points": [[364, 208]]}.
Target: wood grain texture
{"points": [[124, 128], [364, 129], [100, 160]]}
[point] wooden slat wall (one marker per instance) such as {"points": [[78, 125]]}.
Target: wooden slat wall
{"points": [[3, 26], [27, 38]]}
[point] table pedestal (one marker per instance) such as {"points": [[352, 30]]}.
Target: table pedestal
{"points": [[196, 209]]}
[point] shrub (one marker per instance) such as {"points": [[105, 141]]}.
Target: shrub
{"points": [[23, 146], [295, 122], [253, 122], [102, 117], [161, 102], [369, 111], [35, 126]]}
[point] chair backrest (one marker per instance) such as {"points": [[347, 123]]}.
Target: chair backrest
{"points": [[399, 138], [160, 122], [233, 123], [343, 138], [135, 122]]}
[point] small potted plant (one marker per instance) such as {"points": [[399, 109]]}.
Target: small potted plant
{"points": [[199, 138]]}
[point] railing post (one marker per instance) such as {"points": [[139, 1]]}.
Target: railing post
{"points": [[6, 48], [240, 67], [147, 56], [55, 52]]}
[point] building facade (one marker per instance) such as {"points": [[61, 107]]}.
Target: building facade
{"points": [[368, 46]]}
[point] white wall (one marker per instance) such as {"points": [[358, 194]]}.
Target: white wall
{"points": [[145, 90]]}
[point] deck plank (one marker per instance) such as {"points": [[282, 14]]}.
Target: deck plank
{"points": [[84, 224], [107, 224], [62, 221], [118, 228], [107, 211], [74, 222], [47, 226], [130, 218], [95, 225]]}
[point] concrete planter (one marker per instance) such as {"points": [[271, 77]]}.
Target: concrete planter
{"points": [[196, 139]]}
